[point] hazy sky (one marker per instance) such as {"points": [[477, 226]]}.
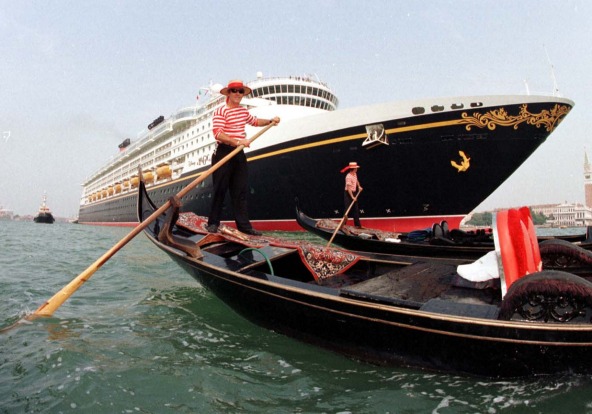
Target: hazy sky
{"points": [[77, 77]]}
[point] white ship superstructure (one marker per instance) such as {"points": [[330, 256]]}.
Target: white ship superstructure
{"points": [[183, 142]]}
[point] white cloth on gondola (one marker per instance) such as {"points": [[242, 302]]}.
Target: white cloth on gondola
{"points": [[484, 268]]}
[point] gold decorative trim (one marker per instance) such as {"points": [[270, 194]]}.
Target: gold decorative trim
{"points": [[553, 117], [490, 120]]}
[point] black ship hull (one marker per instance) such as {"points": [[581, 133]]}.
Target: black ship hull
{"points": [[432, 167]]}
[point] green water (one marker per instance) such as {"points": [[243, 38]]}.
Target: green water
{"points": [[141, 336]]}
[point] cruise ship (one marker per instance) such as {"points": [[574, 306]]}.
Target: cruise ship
{"points": [[422, 161]]}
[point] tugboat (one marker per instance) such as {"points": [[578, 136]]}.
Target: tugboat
{"points": [[44, 215]]}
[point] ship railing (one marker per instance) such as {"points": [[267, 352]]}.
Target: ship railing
{"points": [[165, 126], [306, 78], [190, 112]]}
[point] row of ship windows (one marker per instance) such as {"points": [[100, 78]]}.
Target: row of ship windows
{"points": [[301, 101], [444, 138], [203, 127], [165, 191], [148, 164], [418, 110], [168, 145], [176, 141], [294, 89]]}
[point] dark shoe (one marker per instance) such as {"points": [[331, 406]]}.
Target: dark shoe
{"points": [[212, 228], [252, 232]]}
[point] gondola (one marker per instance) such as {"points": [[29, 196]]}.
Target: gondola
{"points": [[441, 242], [434, 242], [418, 313]]}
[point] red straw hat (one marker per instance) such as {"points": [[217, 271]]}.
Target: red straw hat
{"points": [[235, 84], [351, 165]]}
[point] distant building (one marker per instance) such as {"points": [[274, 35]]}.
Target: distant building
{"points": [[548, 210], [566, 214], [571, 214]]}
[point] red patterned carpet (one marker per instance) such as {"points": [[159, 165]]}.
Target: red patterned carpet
{"points": [[322, 262]]}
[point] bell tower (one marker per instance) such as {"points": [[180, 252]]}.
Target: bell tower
{"points": [[587, 181]]}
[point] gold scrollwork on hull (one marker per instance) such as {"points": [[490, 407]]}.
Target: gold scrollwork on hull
{"points": [[548, 118]]}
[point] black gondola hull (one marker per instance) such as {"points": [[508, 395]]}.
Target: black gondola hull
{"points": [[405, 248], [386, 333], [401, 337]]}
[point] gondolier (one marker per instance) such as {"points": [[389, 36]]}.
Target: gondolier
{"points": [[352, 188], [229, 130]]}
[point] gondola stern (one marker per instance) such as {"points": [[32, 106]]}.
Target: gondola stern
{"points": [[161, 230], [309, 224], [146, 207]]}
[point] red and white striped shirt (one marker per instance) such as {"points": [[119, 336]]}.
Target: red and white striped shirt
{"points": [[232, 121], [351, 181]]}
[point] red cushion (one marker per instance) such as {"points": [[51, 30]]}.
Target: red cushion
{"points": [[520, 256], [520, 242], [536, 252]]}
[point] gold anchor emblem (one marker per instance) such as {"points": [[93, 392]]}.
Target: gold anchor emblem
{"points": [[465, 163]]}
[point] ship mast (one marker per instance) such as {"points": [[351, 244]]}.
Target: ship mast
{"points": [[555, 86]]}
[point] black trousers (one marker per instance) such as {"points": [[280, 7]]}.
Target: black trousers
{"points": [[354, 212], [231, 177]]}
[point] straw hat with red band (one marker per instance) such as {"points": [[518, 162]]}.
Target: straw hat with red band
{"points": [[352, 165], [235, 84]]}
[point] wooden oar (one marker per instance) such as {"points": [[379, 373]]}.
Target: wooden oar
{"points": [[344, 218], [49, 307]]}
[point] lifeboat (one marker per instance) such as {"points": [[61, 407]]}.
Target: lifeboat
{"points": [[117, 188], [156, 122], [104, 193], [148, 177], [164, 171], [110, 191], [126, 183], [135, 181]]}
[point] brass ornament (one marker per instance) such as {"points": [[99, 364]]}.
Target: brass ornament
{"points": [[549, 119]]}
